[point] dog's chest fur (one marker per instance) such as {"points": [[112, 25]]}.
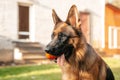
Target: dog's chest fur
{"points": [[70, 73], [88, 70]]}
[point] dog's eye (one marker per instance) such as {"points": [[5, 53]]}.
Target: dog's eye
{"points": [[61, 36]]}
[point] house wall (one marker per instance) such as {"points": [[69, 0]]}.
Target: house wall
{"points": [[44, 23], [117, 18], [112, 18], [8, 18], [41, 21], [6, 50]]}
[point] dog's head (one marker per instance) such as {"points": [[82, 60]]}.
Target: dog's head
{"points": [[65, 34]]}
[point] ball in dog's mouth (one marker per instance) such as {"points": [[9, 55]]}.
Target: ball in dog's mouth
{"points": [[59, 60], [51, 57]]}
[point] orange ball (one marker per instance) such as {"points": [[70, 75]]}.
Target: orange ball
{"points": [[49, 56]]}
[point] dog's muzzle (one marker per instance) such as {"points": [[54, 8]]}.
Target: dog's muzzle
{"points": [[49, 50], [56, 51]]}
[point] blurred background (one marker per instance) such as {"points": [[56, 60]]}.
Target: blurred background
{"points": [[26, 27]]}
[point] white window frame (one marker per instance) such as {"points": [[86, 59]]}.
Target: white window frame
{"points": [[113, 30], [31, 32]]}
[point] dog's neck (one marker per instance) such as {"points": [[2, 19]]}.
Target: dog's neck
{"points": [[78, 53]]}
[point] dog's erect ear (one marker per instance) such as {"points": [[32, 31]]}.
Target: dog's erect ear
{"points": [[73, 17], [56, 19]]}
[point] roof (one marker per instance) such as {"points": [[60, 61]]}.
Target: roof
{"points": [[113, 7]]}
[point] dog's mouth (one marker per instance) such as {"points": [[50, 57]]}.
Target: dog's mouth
{"points": [[62, 54], [60, 60], [65, 56], [56, 55], [57, 59]]}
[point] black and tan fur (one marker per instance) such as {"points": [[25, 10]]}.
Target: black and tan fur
{"points": [[81, 61]]}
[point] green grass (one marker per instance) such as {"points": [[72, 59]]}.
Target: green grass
{"points": [[46, 72], [114, 64], [33, 72]]}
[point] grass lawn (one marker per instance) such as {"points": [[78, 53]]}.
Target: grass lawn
{"points": [[114, 64], [46, 72]]}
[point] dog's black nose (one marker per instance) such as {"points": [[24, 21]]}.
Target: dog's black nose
{"points": [[47, 49]]}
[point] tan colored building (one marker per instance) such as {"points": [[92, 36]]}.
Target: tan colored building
{"points": [[112, 29]]}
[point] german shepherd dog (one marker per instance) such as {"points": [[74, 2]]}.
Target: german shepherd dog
{"points": [[77, 59]]}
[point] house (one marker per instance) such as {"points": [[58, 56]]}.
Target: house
{"points": [[30, 21], [112, 29]]}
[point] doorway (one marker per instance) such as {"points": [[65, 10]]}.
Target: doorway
{"points": [[23, 32]]}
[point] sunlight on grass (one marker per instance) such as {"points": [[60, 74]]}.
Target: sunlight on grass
{"points": [[114, 64], [38, 72], [42, 72]]}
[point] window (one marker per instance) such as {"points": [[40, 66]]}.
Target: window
{"points": [[114, 37], [23, 22]]}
